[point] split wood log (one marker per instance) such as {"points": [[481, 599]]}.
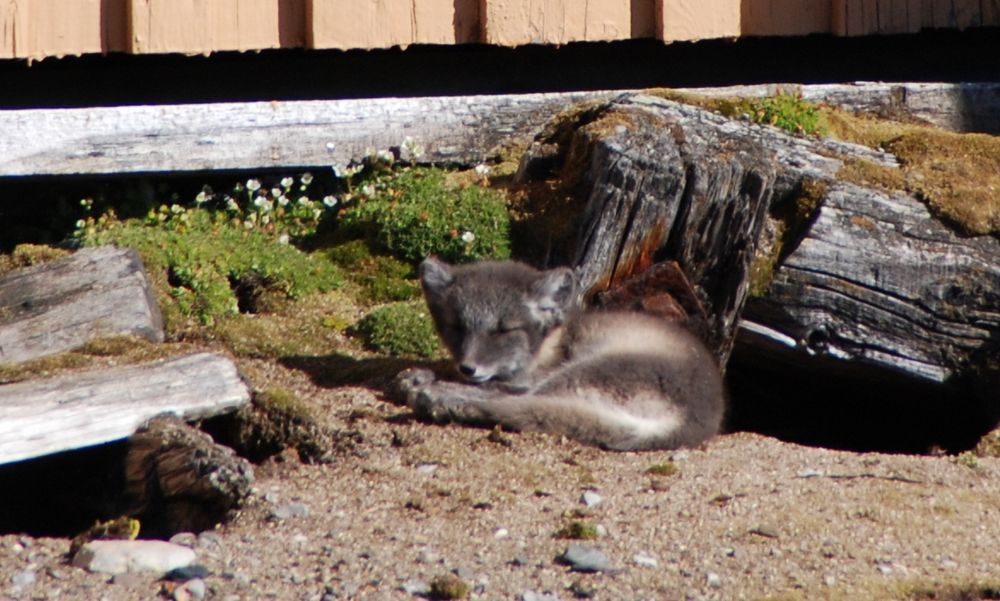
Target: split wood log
{"points": [[862, 277], [178, 480], [60, 305], [79, 410], [665, 181]]}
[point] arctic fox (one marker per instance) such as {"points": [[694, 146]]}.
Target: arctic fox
{"points": [[532, 360]]}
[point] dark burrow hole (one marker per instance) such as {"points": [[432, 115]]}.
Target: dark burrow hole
{"points": [[248, 289], [856, 408]]}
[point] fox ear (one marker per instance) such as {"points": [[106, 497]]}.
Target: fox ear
{"points": [[552, 294], [435, 275]]}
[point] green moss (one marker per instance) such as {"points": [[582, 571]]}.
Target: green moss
{"points": [[665, 468], [399, 330], [380, 278], [205, 258], [578, 530], [449, 586], [26, 255], [413, 213], [963, 591], [785, 109]]}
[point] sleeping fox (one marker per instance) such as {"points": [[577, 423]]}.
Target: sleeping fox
{"points": [[532, 360]]}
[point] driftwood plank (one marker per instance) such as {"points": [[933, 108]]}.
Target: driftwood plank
{"points": [[60, 305], [254, 135], [80, 410]]}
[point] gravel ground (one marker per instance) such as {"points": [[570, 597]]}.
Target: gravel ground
{"points": [[745, 517]]}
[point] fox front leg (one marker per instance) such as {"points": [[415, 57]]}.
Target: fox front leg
{"points": [[443, 401]]}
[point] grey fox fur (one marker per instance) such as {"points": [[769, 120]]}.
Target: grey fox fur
{"points": [[532, 360]]}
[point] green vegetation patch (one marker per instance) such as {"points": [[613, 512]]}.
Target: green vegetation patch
{"points": [[785, 110], [380, 278], [400, 330], [206, 257], [414, 213], [578, 530], [26, 255]]}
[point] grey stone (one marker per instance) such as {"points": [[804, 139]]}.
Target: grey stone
{"points": [[416, 587], [291, 510], [590, 498], [641, 559], [464, 573], [192, 590], [23, 579], [533, 596], [713, 580], [585, 558], [122, 556]]}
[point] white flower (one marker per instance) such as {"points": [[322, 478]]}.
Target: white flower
{"points": [[368, 190], [286, 183], [201, 198], [231, 204], [80, 224], [317, 213], [410, 150], [468, 237], [305, 202], [253, 185], [482, 170], [384, 156], [330, 201], [283, 239], [275, 192], [306, 178], [261, 203], [283, 200]]}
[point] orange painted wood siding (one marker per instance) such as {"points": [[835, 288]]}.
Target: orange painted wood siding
{"points": [[40, 28]]}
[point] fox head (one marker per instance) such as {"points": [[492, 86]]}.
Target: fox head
{"points": [[493, 316]]}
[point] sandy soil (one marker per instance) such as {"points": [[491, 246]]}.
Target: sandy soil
{"points": [[745, 517]]}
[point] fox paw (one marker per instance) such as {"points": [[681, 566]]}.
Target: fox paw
{"points": [[410, 382]]}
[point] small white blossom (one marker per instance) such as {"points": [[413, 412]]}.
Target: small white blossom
{"points": [[307, 178], [368, 190], [80, 224], [330, 201], [317, 213], [253, 185], [384, 156], [275, 192], [231, 204], [468, 237], [262, 203], [283, 200], [286, 182], [482, 170], [410, 150], [305, 202], [283, 239], [201, 198]]}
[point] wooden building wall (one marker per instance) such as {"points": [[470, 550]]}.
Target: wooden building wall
{"points": [[40, 28]]}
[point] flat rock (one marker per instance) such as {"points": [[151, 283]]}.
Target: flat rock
{"points": [[130, 556], [585, 558]]}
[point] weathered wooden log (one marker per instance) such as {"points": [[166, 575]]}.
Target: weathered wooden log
{"points": [[60, 305], [256, 135], [178, 480], [961, 107], [878, 280], [80, 410]]}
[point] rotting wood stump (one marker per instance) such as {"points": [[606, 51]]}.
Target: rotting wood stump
{"points": [[178, 480], [61, 305], [783, 256], [41, 417]]}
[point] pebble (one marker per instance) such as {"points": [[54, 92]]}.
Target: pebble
{"points": [[766, 530], [949, 564], [464, 573], [121, 556], [192, 590], [291, 510], [416, 587], [590, 498], [23, 579], [829, 580], [713, 580], [585, 558], [810, 473], [427, 469], [645, 561], [501, 533], [533, 596]]}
